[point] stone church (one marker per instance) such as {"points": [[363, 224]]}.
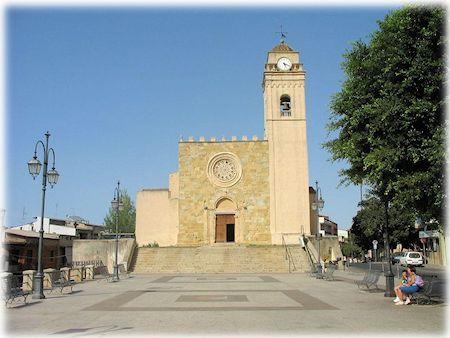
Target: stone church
{"points": [[240, 191]]}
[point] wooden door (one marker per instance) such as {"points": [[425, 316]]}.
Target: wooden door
{"points": [[221, 227], [230, 232]]}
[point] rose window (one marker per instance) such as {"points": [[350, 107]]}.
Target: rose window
{"points": [[224, 169]]}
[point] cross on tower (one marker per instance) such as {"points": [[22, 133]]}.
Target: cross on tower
{"points": [[283, 34]]}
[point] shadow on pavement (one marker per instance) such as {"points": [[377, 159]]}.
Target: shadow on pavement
{"points": [[94, 330]]}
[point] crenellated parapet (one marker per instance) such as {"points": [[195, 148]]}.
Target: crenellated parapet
{"points": [[203, 139]]}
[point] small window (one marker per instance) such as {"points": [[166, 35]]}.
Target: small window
{"points": [[52, 255], [414, 255], [285, 105]]}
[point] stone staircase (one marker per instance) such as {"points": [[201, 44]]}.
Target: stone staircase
{"points": [[220, 259]]}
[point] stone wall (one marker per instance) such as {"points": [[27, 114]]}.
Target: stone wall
{"points": [[104, 250], [330, 250], [199, 197]]}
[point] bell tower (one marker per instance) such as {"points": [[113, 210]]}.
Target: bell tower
{"points": [[285, 130]]}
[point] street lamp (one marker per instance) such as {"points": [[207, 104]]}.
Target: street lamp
{"points": [[117, 205], [318, 205], [34, 167], [389, 292]]}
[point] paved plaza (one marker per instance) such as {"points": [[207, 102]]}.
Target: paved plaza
{"points": [[222, 304]]}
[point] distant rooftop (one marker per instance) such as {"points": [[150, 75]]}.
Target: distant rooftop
{"points": [[77, 219], [27, 233]]}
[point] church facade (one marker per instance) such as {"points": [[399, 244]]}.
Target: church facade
{"points": [[246, 191]]}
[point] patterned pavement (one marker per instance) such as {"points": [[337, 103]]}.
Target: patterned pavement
{"points": [[220, 304]]}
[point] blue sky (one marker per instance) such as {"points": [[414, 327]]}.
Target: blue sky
{"points": [[116, 87]]}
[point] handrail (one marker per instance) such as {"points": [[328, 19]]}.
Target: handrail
{"points": [[310, 256], [288, 254]]}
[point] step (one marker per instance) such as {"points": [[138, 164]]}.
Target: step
{"points": [[224, 258]]}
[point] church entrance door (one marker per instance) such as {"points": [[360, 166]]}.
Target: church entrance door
{"points": [[224, 228], [230, 232]]}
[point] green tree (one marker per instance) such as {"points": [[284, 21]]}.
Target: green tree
{"points": [[368, 224], [388, 116], [350, 248], [127, 216]]}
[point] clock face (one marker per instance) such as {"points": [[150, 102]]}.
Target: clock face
{"points": [[284, 64]]}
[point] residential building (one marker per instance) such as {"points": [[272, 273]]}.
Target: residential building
{"points": [[20, 250], [327, 226]]}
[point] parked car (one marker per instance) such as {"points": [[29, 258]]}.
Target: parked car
{"points": [[396, 257], [411, 258]]}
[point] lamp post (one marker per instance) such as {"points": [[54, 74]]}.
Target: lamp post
{"points": [[389, 292], [117, 205], [318, 205], [34, 167]]}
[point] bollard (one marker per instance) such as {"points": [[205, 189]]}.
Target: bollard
{"points": [[28, 280], [89, 272], [6, 280], [398, 272], [48, 278], [65, 274], [76, 274]]}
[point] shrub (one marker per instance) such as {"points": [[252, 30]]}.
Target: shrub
{"points": [[151, 245]]}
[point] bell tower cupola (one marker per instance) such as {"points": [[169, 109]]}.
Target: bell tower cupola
{"points": [[283, 84]]}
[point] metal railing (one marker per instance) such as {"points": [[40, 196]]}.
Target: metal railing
{"points": [[396, 269], [312, 263], [288, 255], [95, 263]]}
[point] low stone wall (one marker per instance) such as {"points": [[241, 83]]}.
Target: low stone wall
{"points": [[104, 250], [330, 249]]}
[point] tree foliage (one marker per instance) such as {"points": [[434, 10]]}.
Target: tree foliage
{"points": [[368, 225], [388, 116], [127, 216], [350, 248]]}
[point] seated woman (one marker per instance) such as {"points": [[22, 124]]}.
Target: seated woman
{"points": [[408, 289], [403, 282]]}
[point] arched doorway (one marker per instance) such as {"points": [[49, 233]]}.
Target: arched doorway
{"points": [[225, 221]]}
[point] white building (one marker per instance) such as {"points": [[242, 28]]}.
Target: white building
{"points": [[51, 226], [72, 227], [342, 235]]}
